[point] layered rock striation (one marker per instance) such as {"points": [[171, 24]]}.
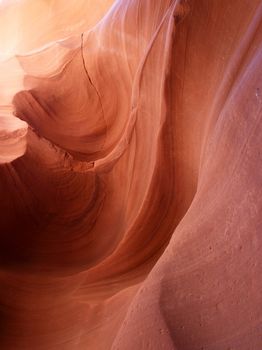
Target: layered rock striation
{"points": [[130, 175]]}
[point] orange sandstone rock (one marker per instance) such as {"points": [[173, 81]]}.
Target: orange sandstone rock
{"points": [[130, 179]]}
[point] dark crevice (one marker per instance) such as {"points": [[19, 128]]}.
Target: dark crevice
{"points": [[90, 80]]}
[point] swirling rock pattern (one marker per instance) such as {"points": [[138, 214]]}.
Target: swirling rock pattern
{"points": [[130, 176]]}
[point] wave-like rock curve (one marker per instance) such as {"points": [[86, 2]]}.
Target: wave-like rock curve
{"points": [[130, 151]]}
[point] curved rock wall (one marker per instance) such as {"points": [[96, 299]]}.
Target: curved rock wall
{"points": [[130, 176]]}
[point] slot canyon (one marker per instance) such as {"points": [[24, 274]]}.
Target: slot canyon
{"points": [[130, 174]]}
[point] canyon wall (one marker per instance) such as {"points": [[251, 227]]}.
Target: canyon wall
{"points": [[130, 175]]}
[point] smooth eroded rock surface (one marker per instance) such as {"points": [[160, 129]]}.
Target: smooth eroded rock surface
{"points": [[130, 175]]}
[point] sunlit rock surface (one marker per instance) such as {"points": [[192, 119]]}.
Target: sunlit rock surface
{"points": [[130, 175]]}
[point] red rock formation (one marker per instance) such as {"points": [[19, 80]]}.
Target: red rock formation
{"points": [[131, 220]]}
